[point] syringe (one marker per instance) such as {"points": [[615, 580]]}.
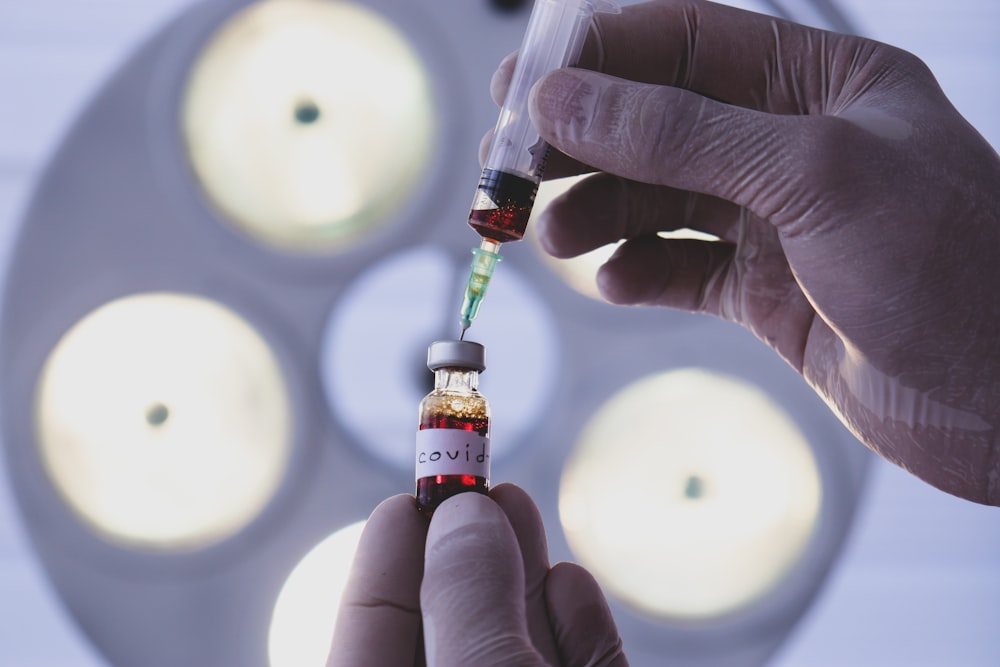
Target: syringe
{"points": [[516, 158]]}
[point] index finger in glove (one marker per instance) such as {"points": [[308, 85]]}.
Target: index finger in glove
{"points": [[741, 57], [737, 56]]}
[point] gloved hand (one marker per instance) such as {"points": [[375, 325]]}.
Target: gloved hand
{"points": [[473, 587], [858, 214]]}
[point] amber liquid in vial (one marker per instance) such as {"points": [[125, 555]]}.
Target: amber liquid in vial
{"points": [[451, 413]]}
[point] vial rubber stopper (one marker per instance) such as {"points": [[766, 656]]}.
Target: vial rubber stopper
{"points": [[457, 354]]}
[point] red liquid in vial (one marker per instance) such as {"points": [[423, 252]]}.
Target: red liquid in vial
{"points": [[433, 490]]}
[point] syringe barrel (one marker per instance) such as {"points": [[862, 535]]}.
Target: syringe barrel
{"points": [[553, 39]]}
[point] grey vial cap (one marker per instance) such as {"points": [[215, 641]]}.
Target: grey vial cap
{"points": [[456, 354]]}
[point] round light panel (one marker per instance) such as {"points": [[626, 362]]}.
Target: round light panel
{"points": [[690, 494], [164, 421], [306, 610], [307, 122]]}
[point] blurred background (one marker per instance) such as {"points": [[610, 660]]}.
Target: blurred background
{"points": [[224, 259]]}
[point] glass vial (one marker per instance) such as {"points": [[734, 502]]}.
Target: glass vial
{"points": [[453, 437]]}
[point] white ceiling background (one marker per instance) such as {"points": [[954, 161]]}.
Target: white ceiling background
{"points": [[919, 582]]}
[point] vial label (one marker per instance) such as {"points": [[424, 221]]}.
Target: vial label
{"points": [[449, 451]]}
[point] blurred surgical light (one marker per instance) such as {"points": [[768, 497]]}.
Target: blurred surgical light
{"points": [[308, 122], [690, 494], [306, 610], [163, 421]]}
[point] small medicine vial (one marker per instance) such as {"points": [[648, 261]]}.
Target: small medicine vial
{"points": [[453, 438]]}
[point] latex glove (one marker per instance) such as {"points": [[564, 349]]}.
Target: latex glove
{"points": [[858, 212], [472, 588]]}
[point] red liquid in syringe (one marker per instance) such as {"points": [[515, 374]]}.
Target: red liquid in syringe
{"points": [[502, 206]]}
